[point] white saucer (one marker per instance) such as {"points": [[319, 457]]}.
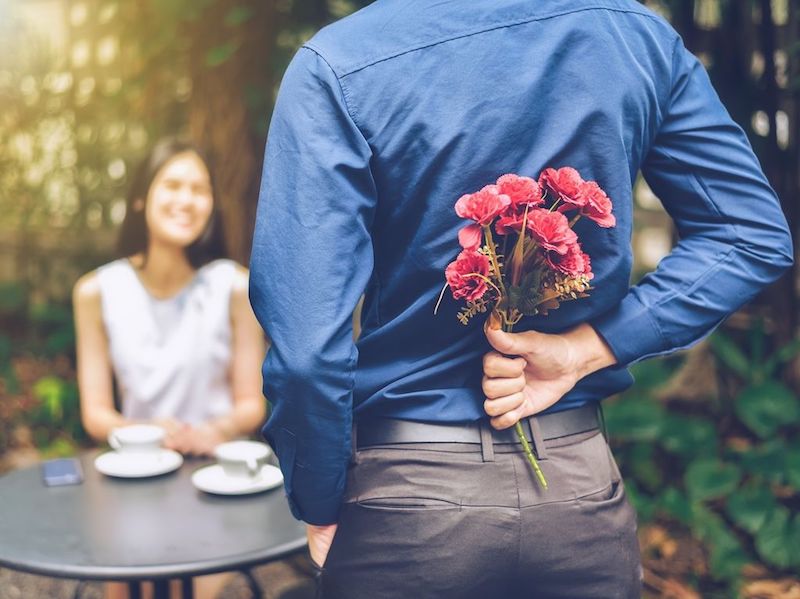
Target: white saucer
{"points": [[127, 465], [212, 479]]}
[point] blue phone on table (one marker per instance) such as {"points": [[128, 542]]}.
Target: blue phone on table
{"points": [[62, 471]]}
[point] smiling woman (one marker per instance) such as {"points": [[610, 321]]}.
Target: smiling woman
{"points": [[170, 320]]}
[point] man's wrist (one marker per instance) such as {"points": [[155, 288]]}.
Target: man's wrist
{"points": [[593, 353]]}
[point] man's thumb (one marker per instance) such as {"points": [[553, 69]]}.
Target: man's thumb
{"points": [[505, 343]]}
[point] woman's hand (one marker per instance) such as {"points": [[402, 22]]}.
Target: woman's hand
{"points": [[200, 440]]}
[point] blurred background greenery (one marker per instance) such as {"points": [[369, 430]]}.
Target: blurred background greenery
{"points": [[707, 439]]}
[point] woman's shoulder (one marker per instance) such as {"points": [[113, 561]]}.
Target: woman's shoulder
{"points": [[228, 269], [89, 287]]}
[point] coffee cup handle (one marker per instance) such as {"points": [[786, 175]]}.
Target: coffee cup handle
{"points": [[253, 466], [113, 441]]}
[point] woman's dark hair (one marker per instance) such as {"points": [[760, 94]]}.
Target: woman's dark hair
{"points": [[133, 234]]}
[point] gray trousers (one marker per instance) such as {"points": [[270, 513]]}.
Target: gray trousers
{"points": [[461, 521]]}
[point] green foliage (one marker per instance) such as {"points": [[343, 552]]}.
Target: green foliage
{"points": [[709, 478], [728, 470], [765, 407], [55, 420]]}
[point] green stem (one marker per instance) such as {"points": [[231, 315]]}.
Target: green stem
{"points": [[526, 447], [493, 257]]}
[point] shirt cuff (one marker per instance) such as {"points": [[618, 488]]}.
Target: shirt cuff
{"points": [[630, 331]]}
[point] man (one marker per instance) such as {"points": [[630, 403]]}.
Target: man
{"points": [[383, 120]]}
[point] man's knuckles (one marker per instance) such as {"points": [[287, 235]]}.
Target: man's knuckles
{"points": [[500, 387], [502, 405], [497, 365]]}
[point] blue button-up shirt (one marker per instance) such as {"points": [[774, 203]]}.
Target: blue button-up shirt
{"points": [[386, 117]]}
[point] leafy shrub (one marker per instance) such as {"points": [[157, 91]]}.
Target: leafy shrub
{"points": [[728, 469]]}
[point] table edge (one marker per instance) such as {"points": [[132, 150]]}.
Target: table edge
{"points": [[156, 571]]}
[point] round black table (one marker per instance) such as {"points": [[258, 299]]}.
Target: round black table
{"points": [[139, 529]]}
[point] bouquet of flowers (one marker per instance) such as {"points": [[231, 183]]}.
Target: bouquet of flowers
{"points": [[520, 255]]}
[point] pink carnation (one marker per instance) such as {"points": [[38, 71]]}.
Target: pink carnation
{"points": [[470, 237], [510, 221], [574, 263], [551, 230], [461, 275], [482, 206], [596, 205], [565, 183], [521, 190]]}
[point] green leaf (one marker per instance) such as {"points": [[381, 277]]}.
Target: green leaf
{"points": [[530, 282], [220, 54], [514, 296], [634, 418], [767, 460], [641, 502], [642, 465], [750, 507], [238, 15], [730, 355], [687, 436], [727, 557], [757, 341], [778, 539], [49, 390], [709, 478], [793, 468], [675, 504], [766, 407], [781, 356], [651, 373]]}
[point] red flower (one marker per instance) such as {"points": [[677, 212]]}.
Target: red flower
{"points": [[565, 183], [596, 204], [482, 206], [461, 275], [551, 230], [510, 221], [521, 190], [574, 263], [470, 237]]}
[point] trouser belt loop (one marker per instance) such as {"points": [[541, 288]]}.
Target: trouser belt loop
{"points": [[487, 442], [538, 440]]}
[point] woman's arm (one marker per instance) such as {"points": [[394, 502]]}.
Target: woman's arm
{"points": [[94, 363], [249, 346]]}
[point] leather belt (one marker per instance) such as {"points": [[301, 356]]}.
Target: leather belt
{"points": [[388, 431]]}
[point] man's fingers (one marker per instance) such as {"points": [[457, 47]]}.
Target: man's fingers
{"points": [[507, 420], [494, 388], [502, 405], [496, 365]]}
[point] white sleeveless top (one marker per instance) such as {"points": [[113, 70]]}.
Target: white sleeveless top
{"points": [[171, 357]]}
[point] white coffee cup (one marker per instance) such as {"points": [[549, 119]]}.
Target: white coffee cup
{"points": [[242, 459], [137, 438]]}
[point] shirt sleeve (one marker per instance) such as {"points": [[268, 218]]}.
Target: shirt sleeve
{"points": [[311, 259], [734, 239]]}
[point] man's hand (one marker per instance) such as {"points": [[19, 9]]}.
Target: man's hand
{"points": [[320, 539], [546, 368]]}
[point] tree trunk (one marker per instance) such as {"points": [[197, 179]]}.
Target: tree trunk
{"points": [[221, 120]]}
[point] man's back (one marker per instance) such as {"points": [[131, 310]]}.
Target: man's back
{"points": [[386, 117], [451, 95]]}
